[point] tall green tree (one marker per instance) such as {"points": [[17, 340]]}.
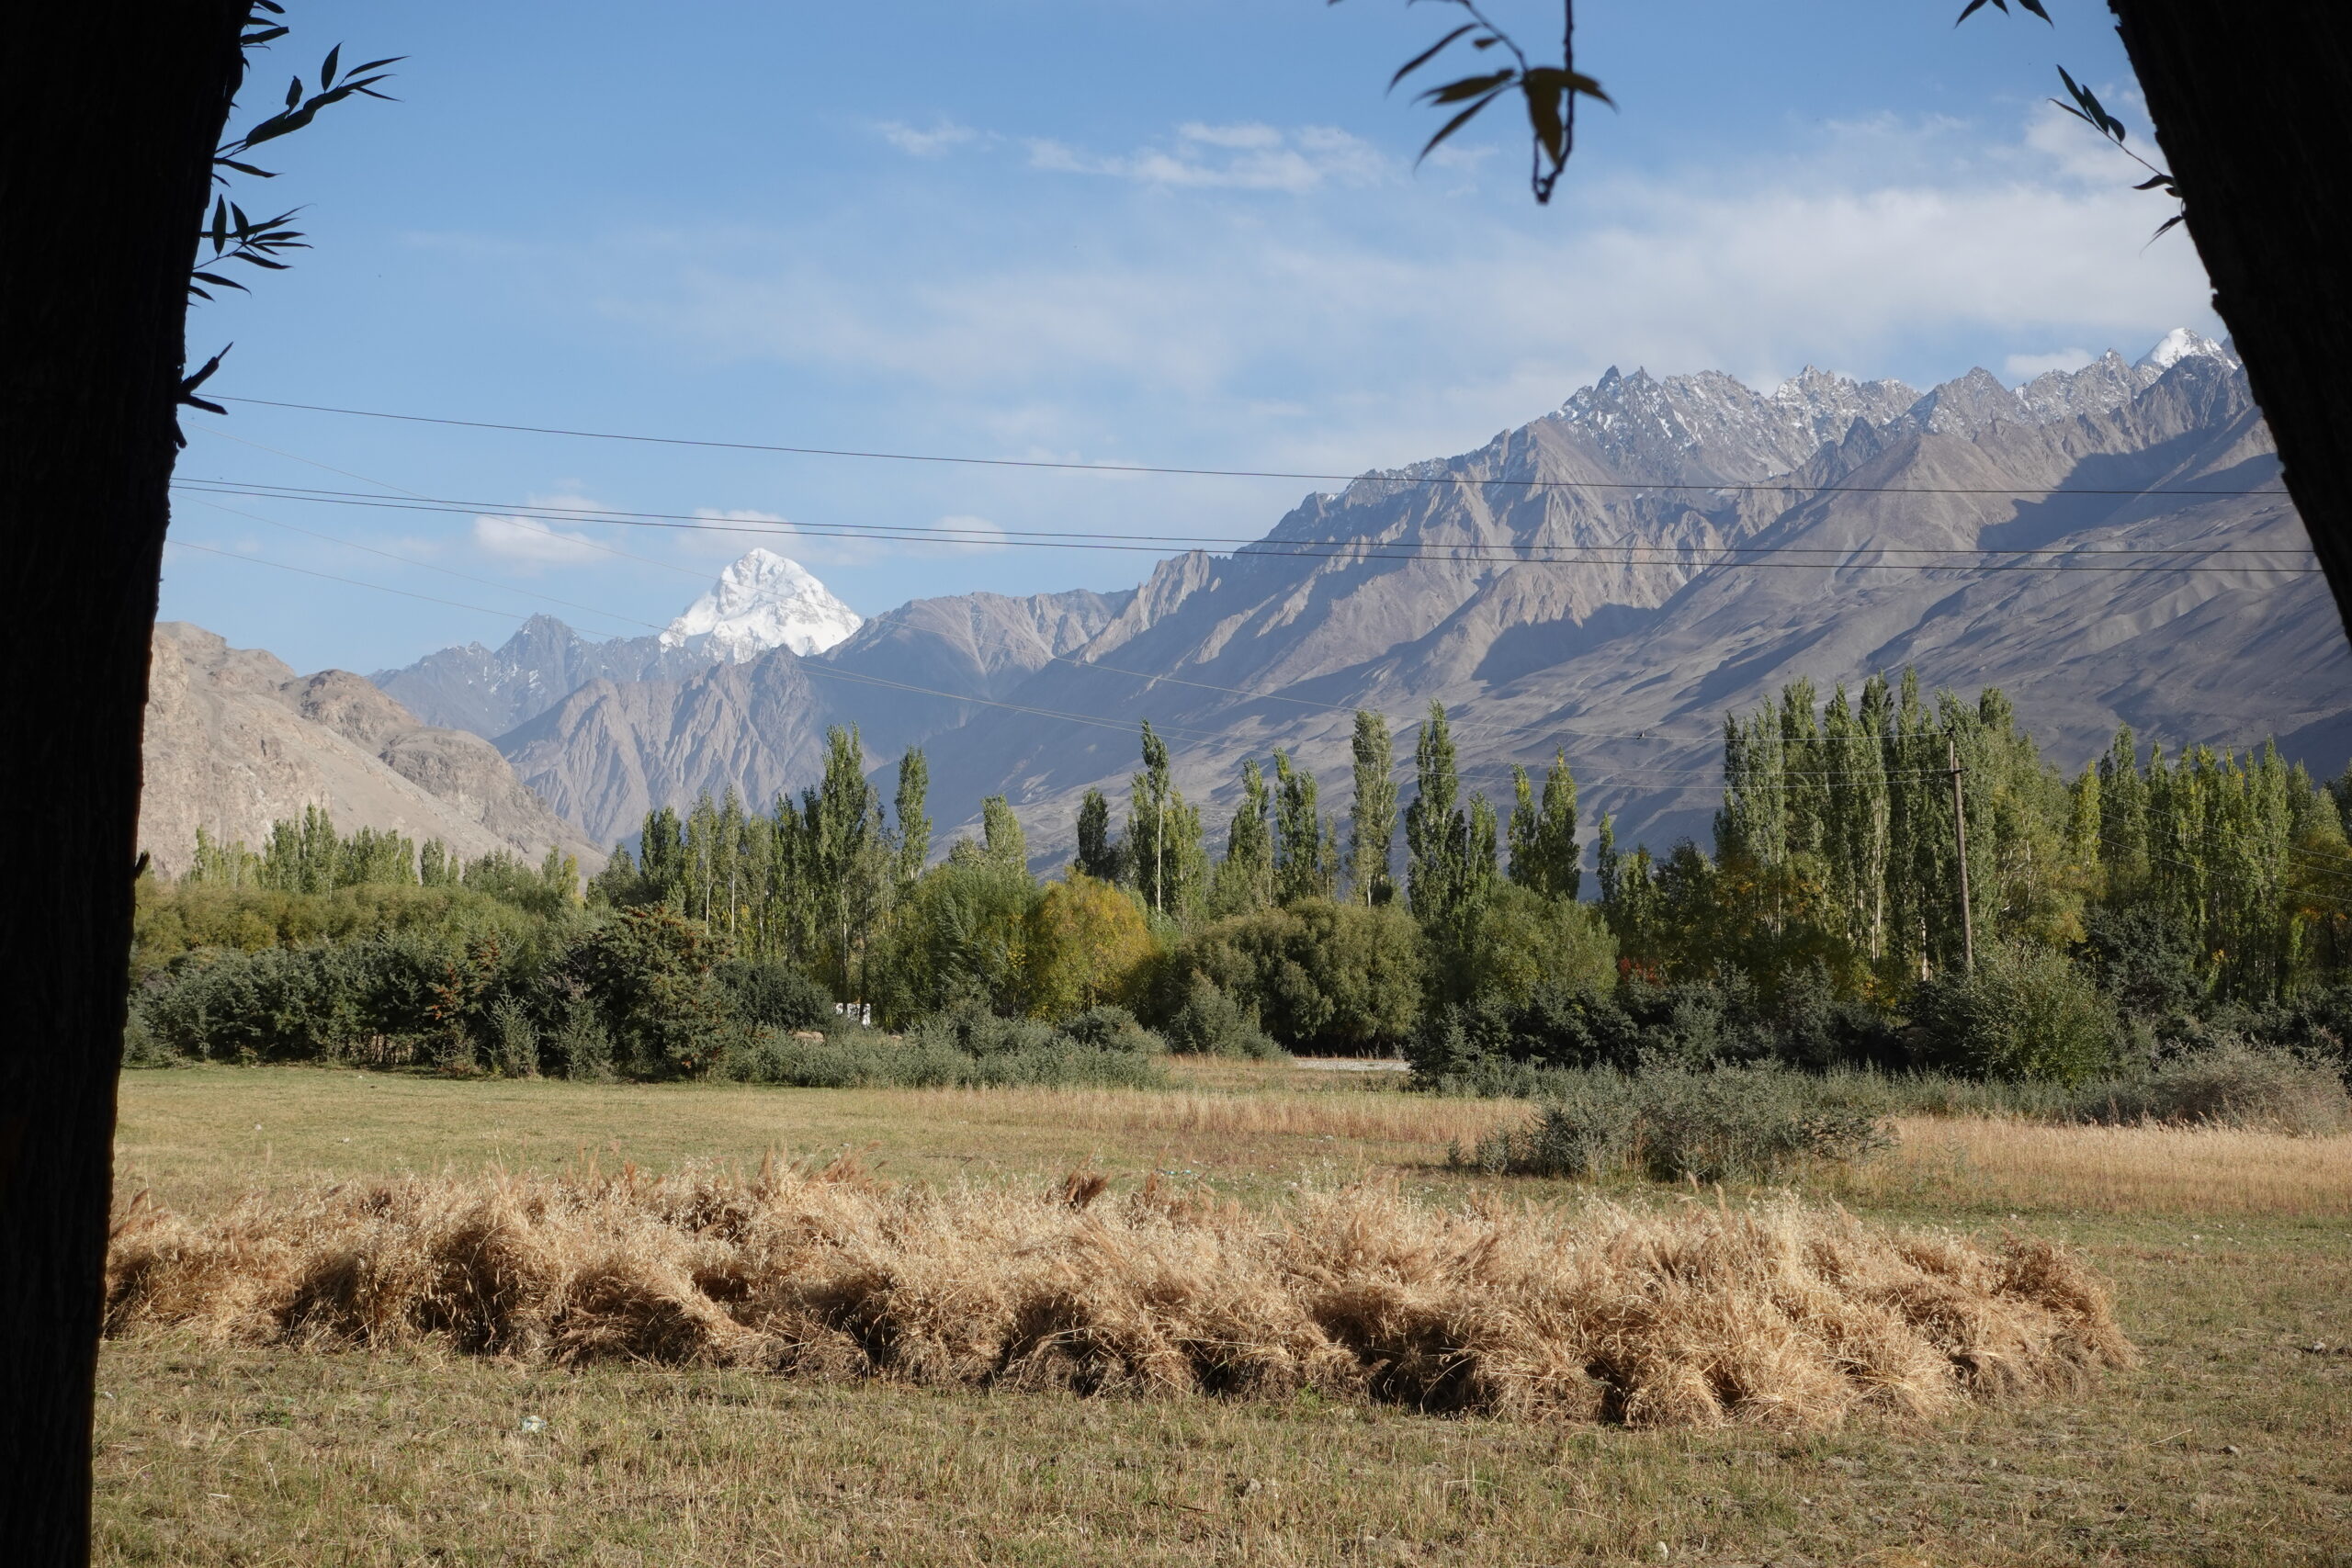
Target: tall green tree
{"points": [[1372, 816], [1001, 838], [1302, 864], [1166, 863], [1452, 849], [1545, 855], [1098, 856], [1245, 879], [914, 820]]}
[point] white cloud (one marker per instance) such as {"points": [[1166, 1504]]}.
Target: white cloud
{"points": [[1236, 157], [966, 536], [942, 136], [531, 543], [1184, 323], [2026, 366]]}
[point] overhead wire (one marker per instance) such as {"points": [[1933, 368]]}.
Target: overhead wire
{"points": [[1375, 477], [1969, 558]]}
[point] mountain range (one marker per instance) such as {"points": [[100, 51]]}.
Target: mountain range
{"points": [[2110, 544], [236, 740]]}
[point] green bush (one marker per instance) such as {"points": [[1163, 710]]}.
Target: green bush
{"points": [[772, 994], [2228, 1085], [1321, 977], [1525, 944], [1207, 1022], [1732, 1124], [2024, 1013], [967, 1049], [649, 970]]}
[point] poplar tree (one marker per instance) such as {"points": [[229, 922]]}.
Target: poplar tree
{"points": [[1166, 864], [1097, 856], [914, 820], [1001, 840], [1245, 879], [1451, 851], [1545, 855], [1302, 870], [1372, 816]]}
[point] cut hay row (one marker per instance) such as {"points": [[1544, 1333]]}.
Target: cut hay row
{"points": [[1772, 1312]]}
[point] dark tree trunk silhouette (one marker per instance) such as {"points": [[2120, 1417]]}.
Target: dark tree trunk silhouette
{"points": [[2252, 108], [108, 115]]}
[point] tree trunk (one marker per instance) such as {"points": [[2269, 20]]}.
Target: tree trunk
{"points": [[108, 115], [2252, 108]]}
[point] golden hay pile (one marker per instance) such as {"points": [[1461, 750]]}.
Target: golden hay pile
{"points": [[1774, 1313]]}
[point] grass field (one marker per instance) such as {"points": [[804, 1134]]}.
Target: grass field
{"points": [[2232, 1443]]}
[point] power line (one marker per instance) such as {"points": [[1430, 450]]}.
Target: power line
{"points": [[354, 582], [1836, 558], [1212, 473], [402, 489], [444, 570]]}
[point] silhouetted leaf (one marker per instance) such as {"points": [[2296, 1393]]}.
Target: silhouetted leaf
{"points": [[1468, 88], [1456, 123], [255, 40], [215, 277], [326, 71], [246, 169], [1429, 55]]}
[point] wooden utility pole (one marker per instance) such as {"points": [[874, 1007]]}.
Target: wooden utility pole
{"points": [[1959, 844]]}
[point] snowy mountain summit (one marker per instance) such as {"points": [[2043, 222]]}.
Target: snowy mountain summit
{"points": [[762, 601]]}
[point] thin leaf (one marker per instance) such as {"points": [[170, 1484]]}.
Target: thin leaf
{"points": [[1429, 55], [294, 93], [376, 64], [1456, 123], [246, 169], [2035, 6], [2163, 228], [214, 277], [1972, 7], [326, 71], [1468, 88], [255, 40], [1544, 116]]}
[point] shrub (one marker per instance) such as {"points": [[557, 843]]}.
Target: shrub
{"points": [[1088, 944], [649, 972], [960, 938], [967, 1049], [1321, 976], [2229, 1085], [1733, 1124], [1207, 1022], [513, 1038], [1525, 944], [2024, 1013], [771, 993]]}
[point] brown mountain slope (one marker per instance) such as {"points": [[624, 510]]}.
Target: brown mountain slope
{"points": [[235, 741], [1626, 642]]}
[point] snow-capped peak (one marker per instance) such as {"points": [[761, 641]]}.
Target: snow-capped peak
{"points": [[762, 601], [2178, 345]]}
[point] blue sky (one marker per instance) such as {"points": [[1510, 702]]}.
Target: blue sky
{"points": [[1088, 231]]}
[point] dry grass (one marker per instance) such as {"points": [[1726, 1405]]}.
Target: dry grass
{"points": [[1775, 1313], [2002, 1163], [1414, 1119]]}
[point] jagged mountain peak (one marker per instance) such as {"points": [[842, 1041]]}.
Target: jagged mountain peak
{"points": [[764, 601], [2178, 345]]}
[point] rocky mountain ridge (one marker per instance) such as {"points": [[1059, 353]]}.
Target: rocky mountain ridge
{"points": [[1611, 578], [235, 741]]}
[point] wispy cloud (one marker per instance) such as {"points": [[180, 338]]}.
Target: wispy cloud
{"points": [[1236, 157], [943, 136], [530, 543]]}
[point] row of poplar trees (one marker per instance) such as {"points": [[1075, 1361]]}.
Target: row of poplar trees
{"points": [[1839, 844], [812, 881]]}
